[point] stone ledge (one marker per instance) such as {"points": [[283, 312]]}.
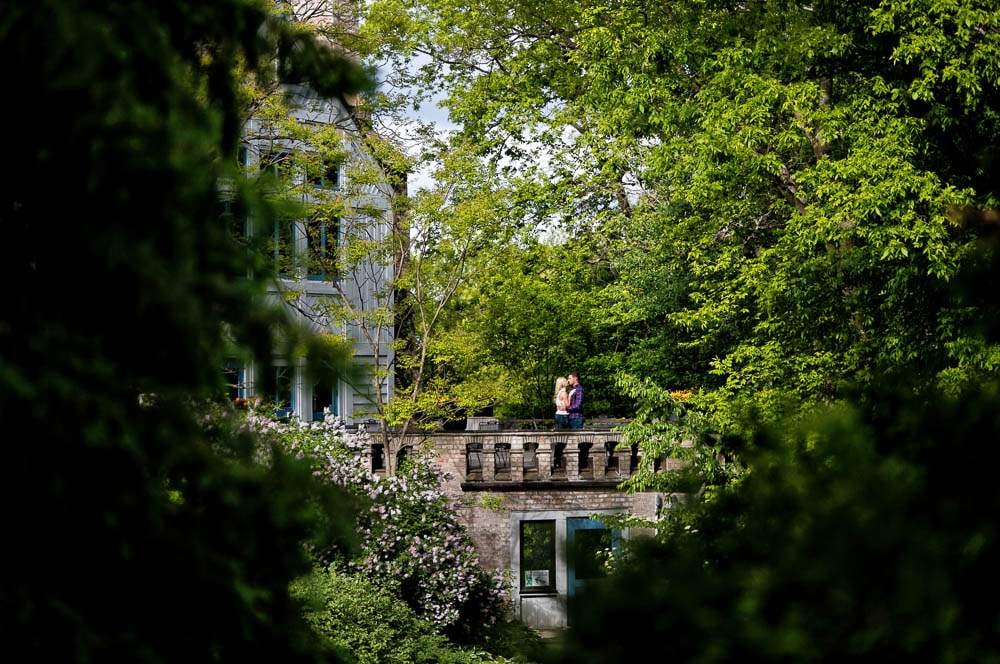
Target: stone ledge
{"points": [[544, 485]]}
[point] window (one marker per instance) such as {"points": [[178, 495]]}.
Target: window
{"points": [[538, 556], [378, 458], [325, 398], [633, 459], [235, 377], [321, 248], [281, 245], [282, 391], [235, 218], [325, 176], [276, 164], [501, 460]]}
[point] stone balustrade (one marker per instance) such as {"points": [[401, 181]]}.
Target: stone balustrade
{"points": [[502, 461], [493, 460]]}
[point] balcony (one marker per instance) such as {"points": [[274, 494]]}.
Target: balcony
{"points": [[549, 460]]}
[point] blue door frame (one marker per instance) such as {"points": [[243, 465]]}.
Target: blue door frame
{"points": [[573, 526]]}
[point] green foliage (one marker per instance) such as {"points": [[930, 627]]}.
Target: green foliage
{"points": [[859, 533], [136, 535], [490, 501], [515, 641], [764, 201], [783, 203], [410, 540], [526, 316], [666, 426], [365, 623]]}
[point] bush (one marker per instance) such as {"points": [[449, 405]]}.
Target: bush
{"points": [[364, 622], [515, 641], [130, 534], [861, 533], [410, 539]]}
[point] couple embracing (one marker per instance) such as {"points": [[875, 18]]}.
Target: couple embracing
{"points": [[569, 402]]}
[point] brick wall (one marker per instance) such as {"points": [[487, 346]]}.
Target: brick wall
{"points": [[485, 500]]}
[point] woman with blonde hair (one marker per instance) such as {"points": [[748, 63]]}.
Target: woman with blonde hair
{"points": [[561, 399]]}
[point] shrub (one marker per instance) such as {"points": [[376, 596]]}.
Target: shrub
{"points": [[515, 641], [365, 622], [410, 539]]}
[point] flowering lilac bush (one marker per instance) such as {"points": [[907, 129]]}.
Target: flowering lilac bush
{"points": [[410, 539]]}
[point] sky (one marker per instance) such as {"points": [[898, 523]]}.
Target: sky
{"points": [[429, 112]]}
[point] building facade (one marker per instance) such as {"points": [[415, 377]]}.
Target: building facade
{"points": [[344, 198], [532, 502]]}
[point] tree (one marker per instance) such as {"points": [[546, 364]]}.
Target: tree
{"points": [[774, 181], [136, 534], [860, 533], [529, 310]]}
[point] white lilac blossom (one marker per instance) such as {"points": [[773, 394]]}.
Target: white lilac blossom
{"points": [[410, 536]]}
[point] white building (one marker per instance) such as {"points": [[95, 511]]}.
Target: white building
{"points": [[308, 285]]}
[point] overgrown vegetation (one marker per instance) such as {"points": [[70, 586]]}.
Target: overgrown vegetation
{"points": [[739, 221], [133, 534], [859, 533], [742, 222], [763, 203], [412, 581], [368, 624], [409, 538]]}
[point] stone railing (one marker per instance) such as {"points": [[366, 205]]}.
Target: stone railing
{"points": [[494, 460], [502, 460]]}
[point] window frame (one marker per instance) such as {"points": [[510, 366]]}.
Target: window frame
{"points": [[329, 246], [272, 389], [237, 366], [283, 247], [551, 588], [323, 181], [333, 392]]}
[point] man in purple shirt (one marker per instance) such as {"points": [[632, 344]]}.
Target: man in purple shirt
{"points": [[575, 409]]}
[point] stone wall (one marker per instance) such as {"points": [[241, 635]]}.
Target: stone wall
{"points": [[486, 500], [501, 479]]}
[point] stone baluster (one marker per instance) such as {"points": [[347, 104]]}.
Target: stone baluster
{"points": [[571, 458], [366, 455], [516, 457], [488, 472], [598, 460], [544, 455]]}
